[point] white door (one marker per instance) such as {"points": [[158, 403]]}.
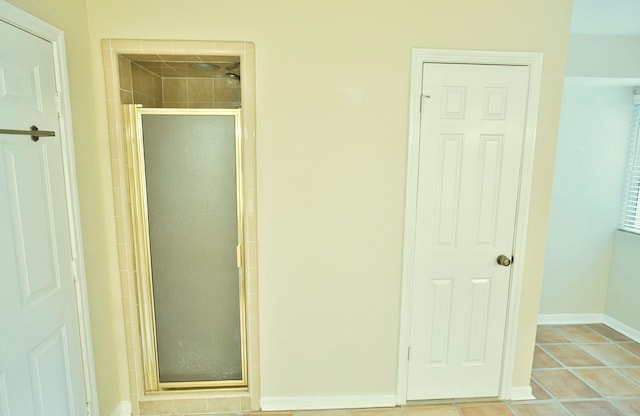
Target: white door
{"points": [[41, 370], [471, 138]]}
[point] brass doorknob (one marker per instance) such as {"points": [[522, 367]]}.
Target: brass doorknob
{"points": [[503, 260]]}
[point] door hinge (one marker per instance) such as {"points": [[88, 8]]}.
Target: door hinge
{"points": [[58, 104], [422, 97], [74, 270]]}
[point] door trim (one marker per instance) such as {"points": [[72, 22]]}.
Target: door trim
{"points": [[419, 56], [21, 19]]}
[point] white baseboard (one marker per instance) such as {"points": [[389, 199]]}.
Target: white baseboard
{"points": [[326, 402], [570, 318], [521, 393], [624, 329], [122, 409], [589, 318]]}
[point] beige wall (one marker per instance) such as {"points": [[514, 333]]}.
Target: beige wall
{"points": [[96, 205], [332, 108]]}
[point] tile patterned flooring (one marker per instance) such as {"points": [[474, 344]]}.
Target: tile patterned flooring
{"points": [[585, 370], [578, 370]]}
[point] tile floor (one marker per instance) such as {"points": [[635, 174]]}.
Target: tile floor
{"points": [[584, 370], [578, 370]]}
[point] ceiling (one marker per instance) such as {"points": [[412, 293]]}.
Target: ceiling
{"points": [[606, 17]]}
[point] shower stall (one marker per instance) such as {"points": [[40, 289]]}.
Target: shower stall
{"points": [[185, 187]]}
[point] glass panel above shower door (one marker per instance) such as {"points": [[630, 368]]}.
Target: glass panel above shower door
{"points": [[191, 181]]}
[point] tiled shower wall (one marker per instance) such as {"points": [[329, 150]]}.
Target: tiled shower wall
{"points": [[140, 86], [201, 93]]}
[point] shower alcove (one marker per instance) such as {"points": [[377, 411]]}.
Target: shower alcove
{"points": [[186, 221]]}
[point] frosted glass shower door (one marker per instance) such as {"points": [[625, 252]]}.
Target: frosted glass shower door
{"points": [[191, 180]]}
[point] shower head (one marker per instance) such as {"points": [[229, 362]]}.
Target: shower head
{"points": [[204, 66], [233, 75]]}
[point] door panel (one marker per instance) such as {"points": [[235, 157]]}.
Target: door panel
{"points": [[26, 79], [448, 189], [41, 369], [472, 130], [192, 203], [488, 190], [50, 378], [4, 401], [28, 190]]}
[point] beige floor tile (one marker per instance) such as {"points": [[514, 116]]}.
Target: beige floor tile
{"points": [[633, 373], [612, 355], [609, 382], [628, 407], [580, 333], [268, 414], [543, 360], [611, 334], [561, 384], [634, 347], [394, 411], [432, 411], [332, 412], [548, 409], [479, 402], [549, 334], [490, 410], [573, 356], [538, 392], [592, 408]]}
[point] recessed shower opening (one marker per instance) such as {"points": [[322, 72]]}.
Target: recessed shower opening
{"points": [[184, 146]]}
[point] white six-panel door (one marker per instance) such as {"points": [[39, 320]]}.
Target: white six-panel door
{"points": [[41, 369], [471, 137]]}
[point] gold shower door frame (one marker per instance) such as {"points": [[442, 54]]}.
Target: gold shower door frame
{"points": [[132, 119]]}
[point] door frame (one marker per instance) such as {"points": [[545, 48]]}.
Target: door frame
{"points": [[420, 56], [22, 20]]}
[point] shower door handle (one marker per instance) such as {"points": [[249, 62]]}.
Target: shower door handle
{"points": [[239, 256]]}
